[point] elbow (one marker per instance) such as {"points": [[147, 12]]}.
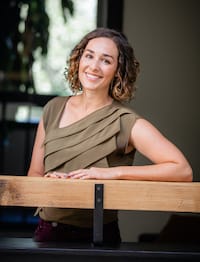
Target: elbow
{"points": [[187, 174], [190, 175]]}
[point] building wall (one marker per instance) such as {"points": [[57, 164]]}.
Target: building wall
{"points": [[166, 39]]}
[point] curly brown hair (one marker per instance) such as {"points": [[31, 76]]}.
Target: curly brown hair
{"points": [[122, 87]]}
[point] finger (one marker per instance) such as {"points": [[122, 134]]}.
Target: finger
{"points": [[86, 177], [75, 172], [77, 176], [50, 175], [65, 175]]}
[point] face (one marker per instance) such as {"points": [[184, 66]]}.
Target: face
{"points": [[98, 64]]}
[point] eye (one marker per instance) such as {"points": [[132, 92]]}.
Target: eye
{"points": [[89, 56], [106, 61]]}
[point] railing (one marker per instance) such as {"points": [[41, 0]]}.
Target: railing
{"points": [[99, 195]]}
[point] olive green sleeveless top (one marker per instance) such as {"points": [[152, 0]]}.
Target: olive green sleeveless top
{"points": [[99, 139]]}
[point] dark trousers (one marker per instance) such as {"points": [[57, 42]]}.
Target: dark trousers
{"points": [[56, 232]]}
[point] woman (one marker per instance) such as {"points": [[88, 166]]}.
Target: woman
{"points": [[93, 135]]}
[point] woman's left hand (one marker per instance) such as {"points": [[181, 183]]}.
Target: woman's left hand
{"points": [[86, 173], [92, 173]]}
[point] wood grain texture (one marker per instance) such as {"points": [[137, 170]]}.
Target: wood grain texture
{"points": [[118, 194]]}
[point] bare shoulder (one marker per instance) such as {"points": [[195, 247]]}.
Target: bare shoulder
{"points": [[143, 126], [146, 134]]}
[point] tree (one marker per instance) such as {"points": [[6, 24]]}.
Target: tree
{"points": [[24, 28]]}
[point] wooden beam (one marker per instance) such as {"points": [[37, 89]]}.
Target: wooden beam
{"points": [[118, 194]]}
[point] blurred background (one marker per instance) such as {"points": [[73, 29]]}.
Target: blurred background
{"points": [[36, 37]]}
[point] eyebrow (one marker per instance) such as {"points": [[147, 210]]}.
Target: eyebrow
{"points": [[106, 55]]}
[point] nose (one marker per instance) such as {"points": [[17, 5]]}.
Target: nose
{"points": [[94, 65]]}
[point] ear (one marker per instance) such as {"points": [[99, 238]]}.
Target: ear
{"points": [[117, 73]]}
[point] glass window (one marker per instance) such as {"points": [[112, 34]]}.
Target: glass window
{"points": [[48, 72]]}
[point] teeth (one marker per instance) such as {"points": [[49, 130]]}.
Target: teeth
{"points": [[92, 76]]}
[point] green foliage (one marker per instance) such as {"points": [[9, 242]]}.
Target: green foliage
{"points": [[37, 21], [17, 47]]}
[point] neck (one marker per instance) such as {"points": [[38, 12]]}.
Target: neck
{"points": [[92, 101]]}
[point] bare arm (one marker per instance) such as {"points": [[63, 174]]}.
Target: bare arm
{"points": [[37, 166], [169, 164]]}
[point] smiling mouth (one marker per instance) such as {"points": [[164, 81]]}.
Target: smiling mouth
{"points": [[92, 76]]}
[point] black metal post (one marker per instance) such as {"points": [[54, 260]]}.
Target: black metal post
{"points": [[98, 215]]}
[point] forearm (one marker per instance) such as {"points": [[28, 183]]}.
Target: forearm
{"points": [[36, 167], [36, 173], [154, 172]]}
